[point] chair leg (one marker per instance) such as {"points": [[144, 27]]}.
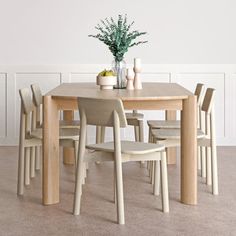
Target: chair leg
{"points": [[80, 167], [114, 185], [38, 158], [21, 166], [84, 173], [156, 187], [78, 187], [32, 162], [136, 133], [98, 134], [215, 190], [86, 163], [164, 183], [76, 148], [141, 137], [150, 141], [141, 131], [152, 172], [203, 162], [27, 166], [103, 132], [148, 166], [208, 166], [199, 158], [120, 194], [85, 170]]}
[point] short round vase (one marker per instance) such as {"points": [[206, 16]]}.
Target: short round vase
{"points": [[119, 67]]}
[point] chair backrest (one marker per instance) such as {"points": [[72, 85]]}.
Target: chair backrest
{"points": [[38, 100], [208, 100], [100, 112], [37, 95], [27, 108], [199, 92], [26, 100]]}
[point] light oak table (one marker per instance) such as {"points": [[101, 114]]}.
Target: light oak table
{"points": [[153, 96]]}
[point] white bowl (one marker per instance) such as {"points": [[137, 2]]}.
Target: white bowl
{"points": [[106, 82]]}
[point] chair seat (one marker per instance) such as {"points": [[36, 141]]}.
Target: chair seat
{"points": [[67, 133], [131, 115], [165, 124], [128, 147], [172, 133], [69, 124]]}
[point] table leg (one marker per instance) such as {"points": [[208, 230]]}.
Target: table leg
{"points": [[189, 151], [50, 186], [68, 152], [171, 152]]}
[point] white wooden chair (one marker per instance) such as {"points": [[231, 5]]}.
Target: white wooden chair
{"points": [[37, 121], [110, 113], [26, 141], [175, 124], [38, 100], [206, 138], [31, 138]]}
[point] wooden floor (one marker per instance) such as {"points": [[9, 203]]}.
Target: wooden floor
{"points": [[214, 215]]}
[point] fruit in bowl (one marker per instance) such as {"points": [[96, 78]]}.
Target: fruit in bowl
{"points": [[107, 73], [106, 79]]}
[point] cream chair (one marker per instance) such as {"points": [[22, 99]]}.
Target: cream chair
{"points": [[30, 139], [26, 141], [110, 113], [37, 120], [207, 139], [175, 124], [38, 100]]}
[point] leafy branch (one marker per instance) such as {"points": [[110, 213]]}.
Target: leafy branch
{"points": [[118, 35]]}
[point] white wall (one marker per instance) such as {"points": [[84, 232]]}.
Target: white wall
{"points": [[55, 31], [189, 41]]}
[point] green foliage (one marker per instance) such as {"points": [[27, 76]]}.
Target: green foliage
{"points": [[118, 36]]}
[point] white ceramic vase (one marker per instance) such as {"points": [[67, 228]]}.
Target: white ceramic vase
{"points": [[130, 79], [137, 71]]}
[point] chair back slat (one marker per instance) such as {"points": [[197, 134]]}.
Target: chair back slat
{"points": [[100, 112], [26, 100], [199, 92], [208, 100], [37, 95], [38, 100]]}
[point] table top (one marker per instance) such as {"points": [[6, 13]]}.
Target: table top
{"points": [[150, 91]]}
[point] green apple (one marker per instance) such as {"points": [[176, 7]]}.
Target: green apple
{"points": [[107, 73]]}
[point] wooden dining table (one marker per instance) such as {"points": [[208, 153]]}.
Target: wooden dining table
{"points": [[153, 96]]}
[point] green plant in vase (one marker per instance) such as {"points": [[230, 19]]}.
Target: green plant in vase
{"points": [[119, 37]]}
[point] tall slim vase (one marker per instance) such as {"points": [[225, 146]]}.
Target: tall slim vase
{"points": [[119, 67]]}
